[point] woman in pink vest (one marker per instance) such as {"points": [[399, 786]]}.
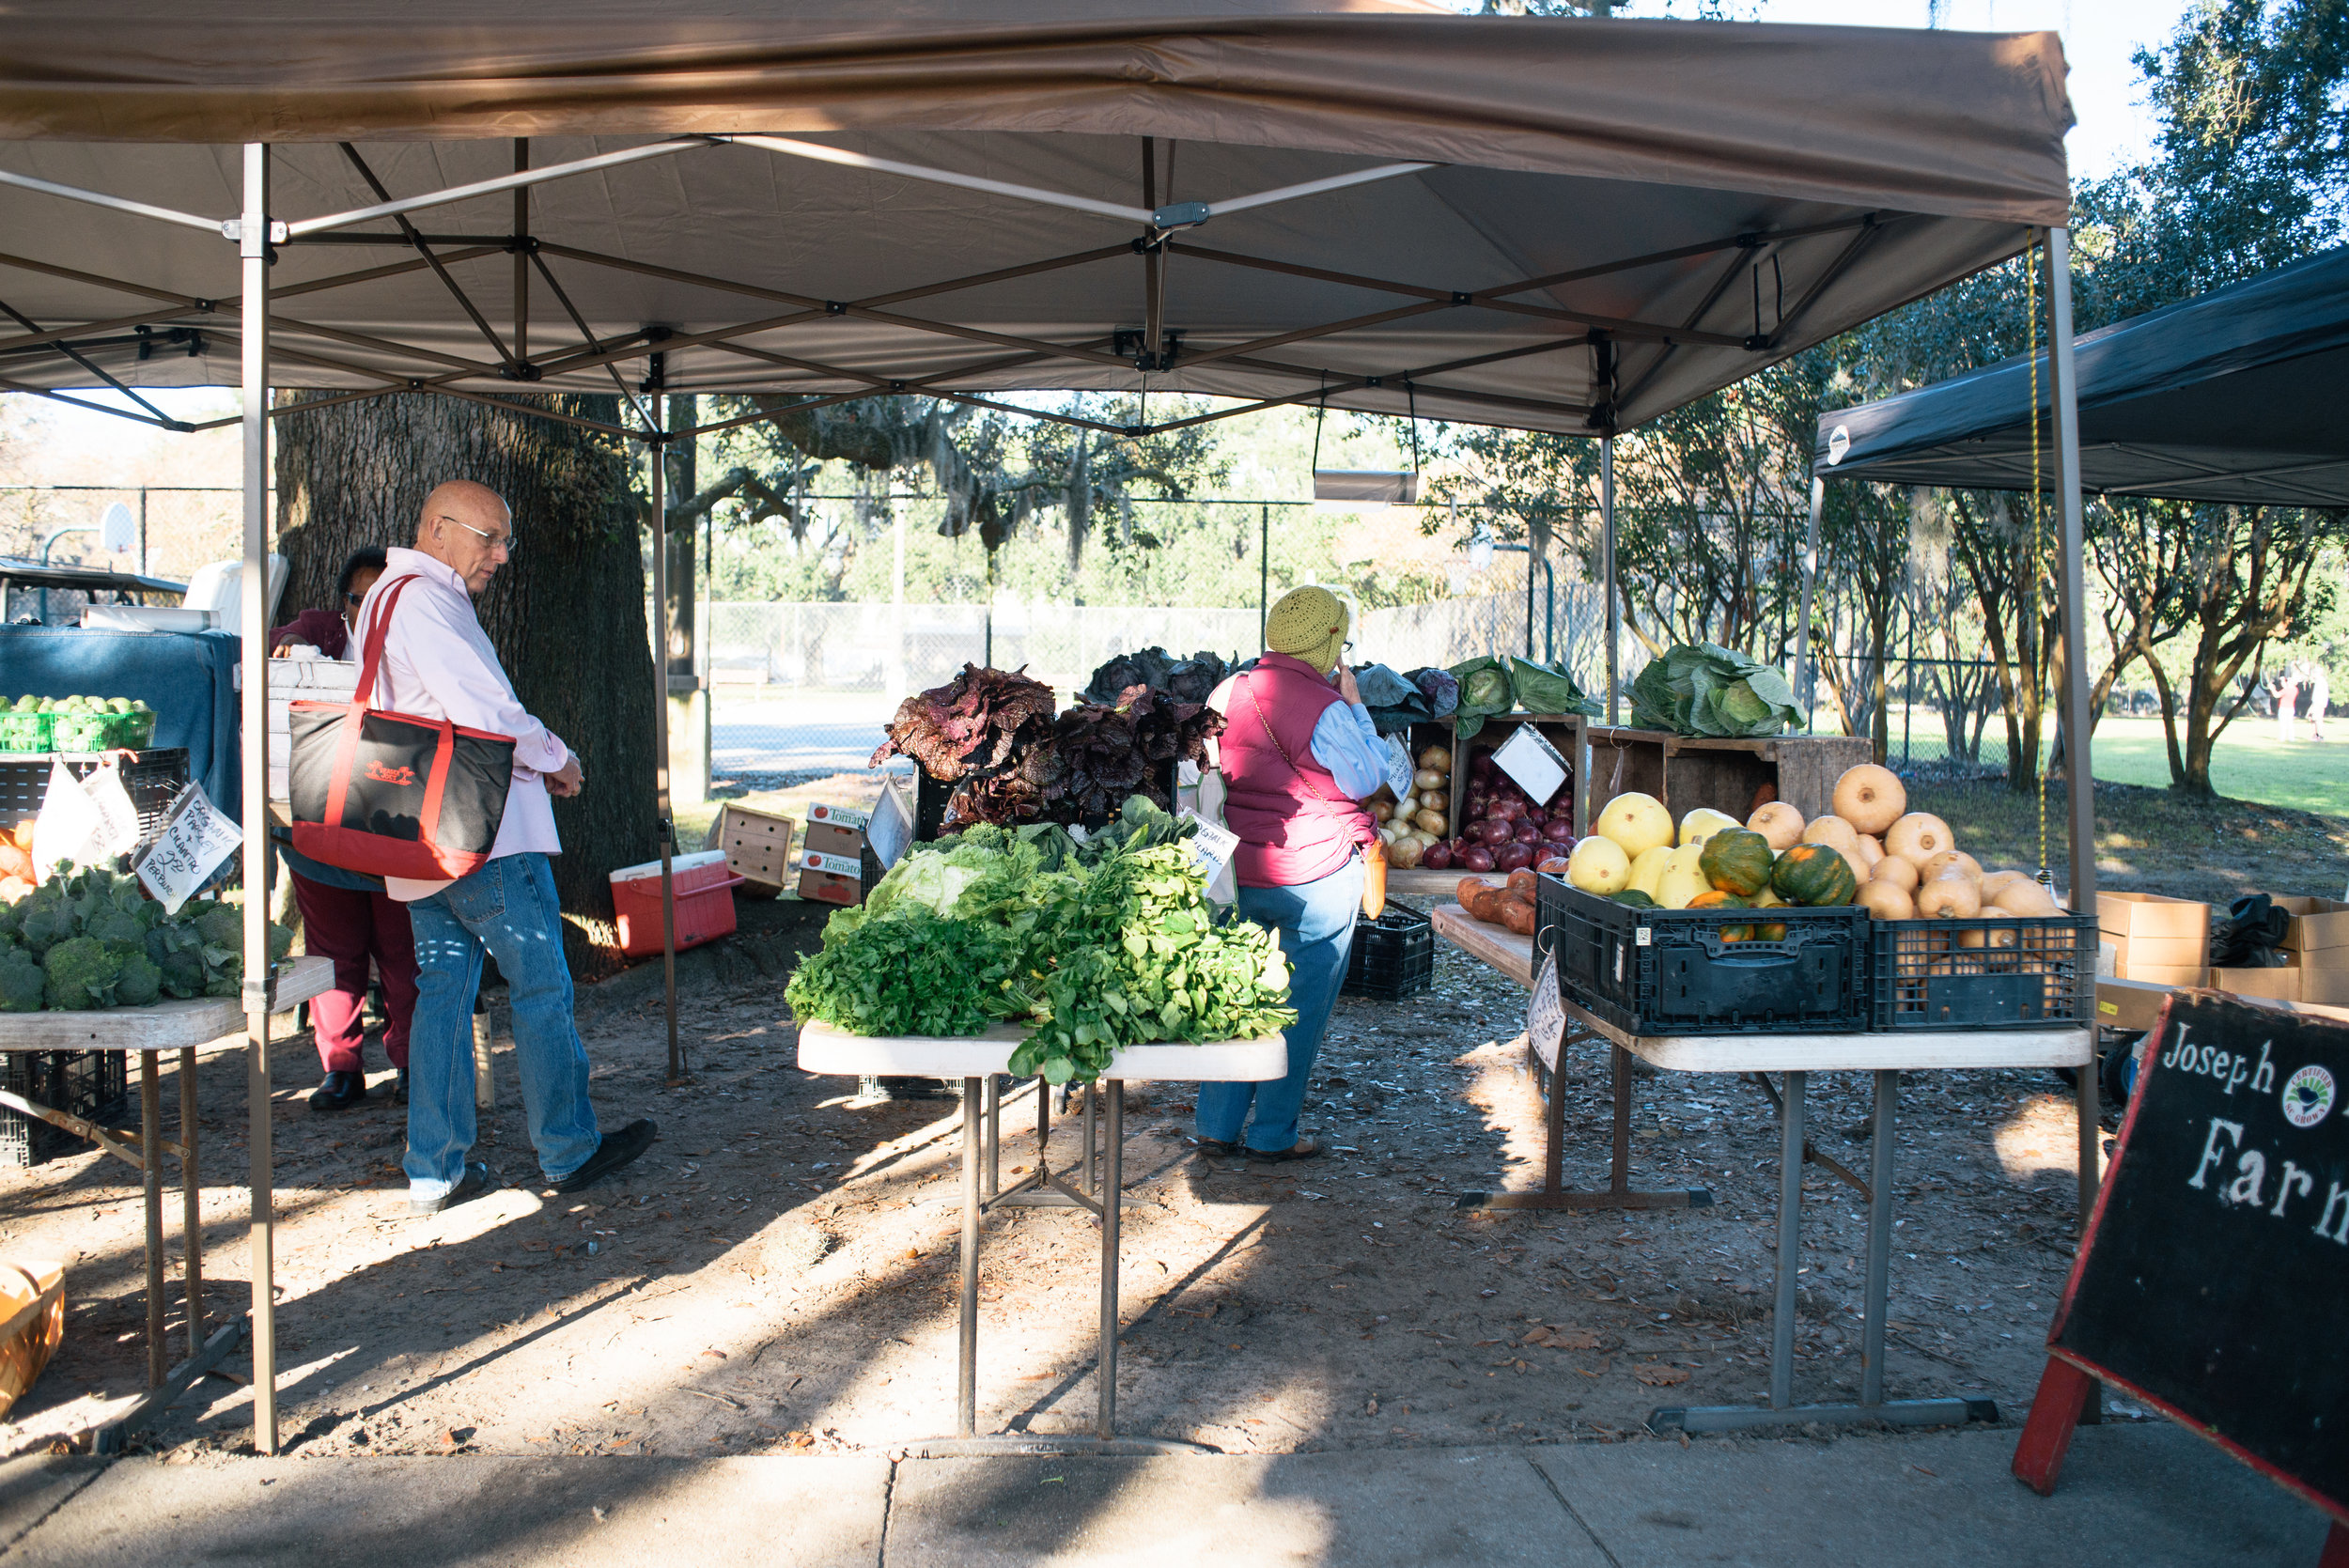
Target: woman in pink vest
{"points": [[1299, 755]]}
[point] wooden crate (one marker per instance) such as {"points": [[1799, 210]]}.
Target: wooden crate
{"points": [[1558, 729], [758, 844], [1729, 776]]}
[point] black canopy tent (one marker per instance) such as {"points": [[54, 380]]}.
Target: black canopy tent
{"points": [[2233, 396], [1562, 224]]}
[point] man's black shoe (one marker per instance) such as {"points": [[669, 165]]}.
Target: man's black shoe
{"points": [[479, 1178], [614, 1150], [400, 1095], [339, 1091]]}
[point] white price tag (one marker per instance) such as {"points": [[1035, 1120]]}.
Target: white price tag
{"points": [[1212, 846], [1545, 1016], [1398, 767], [1530, 759], [194, 839]]}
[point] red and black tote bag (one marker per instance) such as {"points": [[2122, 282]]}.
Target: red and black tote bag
{"points": [[393, 794]]}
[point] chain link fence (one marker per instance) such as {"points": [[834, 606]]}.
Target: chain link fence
{"points": [[799, 690]]}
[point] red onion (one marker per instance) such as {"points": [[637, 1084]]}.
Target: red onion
{"points": [[1481, 766], [1513, 857], [1478, 858], [1525, 833], [1504, 811], [1559, 830], [1437, 857], [1537, 816], [1493, 830]]}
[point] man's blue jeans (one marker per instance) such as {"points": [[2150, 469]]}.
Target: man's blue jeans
{"points": [[508, 910], [1316, 921]]}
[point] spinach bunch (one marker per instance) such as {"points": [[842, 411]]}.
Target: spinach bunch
{"points": [[917, 972]]}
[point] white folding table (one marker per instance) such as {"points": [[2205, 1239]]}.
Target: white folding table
{"points": [[180, 1025], [975, 1060]]}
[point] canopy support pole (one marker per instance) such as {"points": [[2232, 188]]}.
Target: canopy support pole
{"points": [[2078, 779], [252, 656], [1806, 678], [664, 825], [1607, 567]]}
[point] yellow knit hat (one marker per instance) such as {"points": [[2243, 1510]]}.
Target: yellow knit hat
{"points": [[1310, 623]]}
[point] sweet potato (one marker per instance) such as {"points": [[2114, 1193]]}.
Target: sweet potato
{"points": [[1517, 915], [1522, 882], [1468, 889], [1487, 906]]}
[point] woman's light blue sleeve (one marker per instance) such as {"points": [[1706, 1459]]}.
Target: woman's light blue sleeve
{"points": [[1346, 743]]}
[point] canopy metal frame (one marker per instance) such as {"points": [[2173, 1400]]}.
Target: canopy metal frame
{"points": [[1627, 354]]}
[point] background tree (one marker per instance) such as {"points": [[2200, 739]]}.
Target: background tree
{"points": [[566, 614]]}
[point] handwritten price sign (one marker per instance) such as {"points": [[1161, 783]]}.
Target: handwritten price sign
{"points": [[195, 840]]}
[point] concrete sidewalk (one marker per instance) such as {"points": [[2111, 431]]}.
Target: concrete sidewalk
{"points": [[2140, 1495]]}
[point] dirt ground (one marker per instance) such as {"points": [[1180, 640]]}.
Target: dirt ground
{"points": [[779, 1272]]}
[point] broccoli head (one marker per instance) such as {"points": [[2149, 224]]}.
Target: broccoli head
{"points": [[141, 983], [82, 974], [115, 926], [45, 925], [221, 985], [23, 987], [280, 941], [222, 925], [182, 972]]}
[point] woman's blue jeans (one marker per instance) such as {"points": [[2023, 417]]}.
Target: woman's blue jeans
{"points": [[508, 910], [1316, 921]]}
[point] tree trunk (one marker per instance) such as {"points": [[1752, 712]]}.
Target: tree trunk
{"points": [[566, 614], [682, 489]]}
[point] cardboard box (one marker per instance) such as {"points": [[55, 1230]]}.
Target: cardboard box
{"points": [[2319, 926], [835, 830], [831, 879], [2158, 937], [2326, 985], [2130, 1003], [757, 844], [2278, 984]]}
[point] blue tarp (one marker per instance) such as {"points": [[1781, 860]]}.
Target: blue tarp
{"points": [[188, 678]]}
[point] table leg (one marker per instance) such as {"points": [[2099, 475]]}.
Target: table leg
{"points": [[1092, 1184], [1554, 1131], [263, 1254], [151, 1179], [1789, 1242], [1112, 1209], [1873, 1406], [1618, 1193], [2090, 1091], [967, 1354], [994, 1177], [1879, 1290], [192, 1203]]}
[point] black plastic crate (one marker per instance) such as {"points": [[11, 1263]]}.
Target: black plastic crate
{"points": [[91, 1084], [2010, 971], [1685, 971], [1394, 956], [153, 782]]}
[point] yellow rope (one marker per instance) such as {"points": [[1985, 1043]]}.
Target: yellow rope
{"points": [[2038, 543]]}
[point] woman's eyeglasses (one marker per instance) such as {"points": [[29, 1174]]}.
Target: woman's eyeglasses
{"points": [[355, 600]]}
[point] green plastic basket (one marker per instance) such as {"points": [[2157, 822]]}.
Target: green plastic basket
{"points": [[25, 732]]}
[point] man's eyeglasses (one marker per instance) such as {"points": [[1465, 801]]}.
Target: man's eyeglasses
{"points": [[505, 542]]}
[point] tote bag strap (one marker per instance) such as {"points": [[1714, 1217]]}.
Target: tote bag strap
{"points": [[372, 660]]}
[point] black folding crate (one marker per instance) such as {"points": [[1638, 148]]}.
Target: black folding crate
{"points": [[2010, 971], [153, 782], [1695, 972], [91, 1084], [1394, 956]]}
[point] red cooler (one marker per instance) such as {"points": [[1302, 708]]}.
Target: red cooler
{"points": [[705, 901]]}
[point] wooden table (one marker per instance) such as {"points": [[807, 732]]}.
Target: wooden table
{"points": [[976, 1060], [180, 1025], [1514, 956]]}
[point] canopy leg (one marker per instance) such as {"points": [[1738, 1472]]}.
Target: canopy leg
{"points": [[1806, 678], [665, 826], [253, 258]]}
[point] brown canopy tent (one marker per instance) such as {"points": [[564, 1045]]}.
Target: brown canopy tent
{"points": [[1561, 224]]}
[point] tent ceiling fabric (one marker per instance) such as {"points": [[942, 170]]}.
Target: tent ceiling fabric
{"points": [[1704, 198], [2234, 397]]}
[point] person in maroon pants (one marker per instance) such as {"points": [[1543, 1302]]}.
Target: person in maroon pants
{"points": [[346, 916], [345, 919]]}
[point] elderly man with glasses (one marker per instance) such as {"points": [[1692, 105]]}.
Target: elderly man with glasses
{"points": [[438, 663]]}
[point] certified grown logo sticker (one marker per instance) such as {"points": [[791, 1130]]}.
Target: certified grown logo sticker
{"points": [[2307, 1097]]}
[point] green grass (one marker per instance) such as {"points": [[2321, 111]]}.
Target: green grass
{"points": [[2248, 763]]}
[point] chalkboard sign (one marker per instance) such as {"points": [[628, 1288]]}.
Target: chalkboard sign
{"points": [[2214, 1279]]}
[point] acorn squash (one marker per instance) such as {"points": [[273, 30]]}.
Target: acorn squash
{"points": [[1814, 874], [1738, 861]]}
